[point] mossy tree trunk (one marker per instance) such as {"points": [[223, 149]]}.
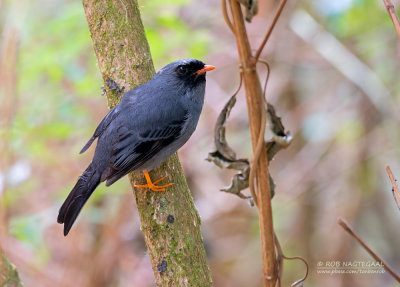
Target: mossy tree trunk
{"points": [[170, 221]]}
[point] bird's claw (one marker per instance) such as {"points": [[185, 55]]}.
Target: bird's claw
{"points": [[152, 185]]}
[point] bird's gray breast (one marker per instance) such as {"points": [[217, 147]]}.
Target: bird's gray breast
{"points": [[192, 105]]}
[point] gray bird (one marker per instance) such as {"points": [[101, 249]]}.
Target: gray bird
{"points": [[150, 123]]}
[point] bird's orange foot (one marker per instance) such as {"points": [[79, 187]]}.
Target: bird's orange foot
{"points": [[152, 185]]}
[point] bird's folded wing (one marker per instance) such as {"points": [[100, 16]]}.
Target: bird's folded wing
{"points": [[133, 149]]}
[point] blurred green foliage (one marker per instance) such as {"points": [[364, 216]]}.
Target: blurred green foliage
{"points": [[363, 26], [169, 36]]}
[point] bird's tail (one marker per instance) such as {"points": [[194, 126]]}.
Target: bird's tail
{"points": [[78, 196]]}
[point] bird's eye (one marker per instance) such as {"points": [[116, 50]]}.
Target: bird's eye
{"points": [[182, 70]]}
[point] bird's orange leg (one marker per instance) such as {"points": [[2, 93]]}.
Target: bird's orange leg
{"points": [[151, 185]]}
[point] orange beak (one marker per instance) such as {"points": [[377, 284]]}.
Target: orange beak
{"points": [[205, 69]]}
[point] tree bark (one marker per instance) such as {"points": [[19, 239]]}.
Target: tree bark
{"points": [[169, 220]]}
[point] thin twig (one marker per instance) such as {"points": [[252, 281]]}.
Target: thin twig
{"points": [[253, 93], [280, 257], [276, 17], [260, 141], [240, 84], [350, 230], [251, 176], [279, 260], [395, 189], [392, 13], [300, 281], [226, 16]]}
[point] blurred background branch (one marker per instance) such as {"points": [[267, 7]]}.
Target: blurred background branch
{"points": [[350, 230], [393, 15], [395, 188], [357, 72]]}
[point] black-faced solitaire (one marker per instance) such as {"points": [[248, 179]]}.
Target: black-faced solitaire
{"points": [[150, 123]]}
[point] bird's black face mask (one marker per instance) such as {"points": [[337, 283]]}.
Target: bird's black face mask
{"points": [[193, 72]]}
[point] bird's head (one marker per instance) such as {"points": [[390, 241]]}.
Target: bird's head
{"points": [[186, 74]]}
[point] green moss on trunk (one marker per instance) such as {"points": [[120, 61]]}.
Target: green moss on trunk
{"points": [[170, 222]]}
